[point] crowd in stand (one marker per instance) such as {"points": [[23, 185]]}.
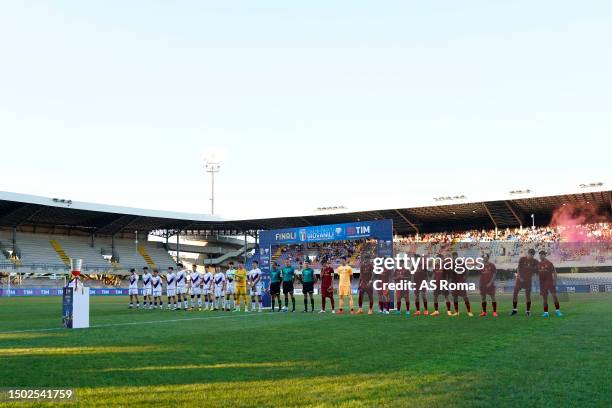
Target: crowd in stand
{"points": [[564, 243], [598, 232], [319, 252]]}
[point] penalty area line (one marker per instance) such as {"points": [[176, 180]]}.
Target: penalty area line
{"points": [[135, 323]]}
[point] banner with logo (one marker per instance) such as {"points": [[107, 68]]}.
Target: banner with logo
{"points": [[60, 292], [380, 230], [67, 304]]}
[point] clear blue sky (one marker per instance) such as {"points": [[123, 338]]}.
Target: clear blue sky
{"points": [[314, 103]]}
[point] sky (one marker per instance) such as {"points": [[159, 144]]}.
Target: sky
{"points": [[358, 103]]}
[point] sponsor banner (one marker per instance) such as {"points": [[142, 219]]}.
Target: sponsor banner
{"points": [[380, 230], [300, 291], [563, 289], [355, 290], [60, 292], [327, 233]]}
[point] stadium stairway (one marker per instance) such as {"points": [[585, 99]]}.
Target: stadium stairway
{"points": [[5, 254], [228, 255], [60, 252], [356, 254], [277, 254], [145, 255], [16, 261]]}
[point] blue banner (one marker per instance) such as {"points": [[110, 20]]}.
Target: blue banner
{"points": [[380, 229], [593, 288], [67, 302], [60, 292]]}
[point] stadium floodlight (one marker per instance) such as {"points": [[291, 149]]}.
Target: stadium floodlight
{"points": [[590, 185], [332, 208], [212, 165], [525, 191], [450, 198], [62, 201]]}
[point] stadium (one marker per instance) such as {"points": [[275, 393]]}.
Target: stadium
{"points": [[115, 361], [305, 204]]}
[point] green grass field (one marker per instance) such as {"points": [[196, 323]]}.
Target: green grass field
{"points": [[163, 358]]}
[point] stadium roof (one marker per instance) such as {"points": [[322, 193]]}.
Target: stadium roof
{"points": [[27, 212]]}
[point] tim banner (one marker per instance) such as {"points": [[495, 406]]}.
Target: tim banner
{"points": [[379, 229], [60, 292]]}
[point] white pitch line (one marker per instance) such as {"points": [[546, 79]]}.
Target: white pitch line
{"points": [[174, 320], [136, 323], [32, 330]]}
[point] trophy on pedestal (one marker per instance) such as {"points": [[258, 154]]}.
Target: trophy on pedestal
{"points": [[75, 304]]}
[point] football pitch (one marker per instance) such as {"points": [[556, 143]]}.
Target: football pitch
{"points": [[219, 359]]}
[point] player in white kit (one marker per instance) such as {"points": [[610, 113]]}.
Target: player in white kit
{"points": [[133, 288], [156, 282], [194, 287], [255, 284], [219, 283], [171, 287], [146, 285], [181, 286], [207, 289], [230, 289]]}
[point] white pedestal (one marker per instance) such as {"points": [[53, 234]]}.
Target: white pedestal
{"points": [[76, 306], [80, 308]]}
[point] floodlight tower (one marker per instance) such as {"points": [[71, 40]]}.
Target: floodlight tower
{"points": [[212, 164]]}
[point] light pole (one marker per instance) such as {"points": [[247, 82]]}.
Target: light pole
{"points": [[212, 166]]}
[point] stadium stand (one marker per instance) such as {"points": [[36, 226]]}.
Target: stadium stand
{"points": [[592, 232], [38, 235], [129, 255], [603, 278], [575, 246], [36, 252], [43, 253], [317, 253]]}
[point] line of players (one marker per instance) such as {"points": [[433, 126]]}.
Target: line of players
{"points": [[226, 291], [528, 266], [186, 290]]}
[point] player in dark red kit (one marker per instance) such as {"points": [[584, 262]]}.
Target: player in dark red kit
{"points": [[365, 283], [419, 276], [384, 300], [402, 276], [460, 278], [487, 285], [527, 266], [440, 274], [548, 280], [327, 286]]}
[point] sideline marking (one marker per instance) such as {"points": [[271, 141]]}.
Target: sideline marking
{"points": [[137, 323]]}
